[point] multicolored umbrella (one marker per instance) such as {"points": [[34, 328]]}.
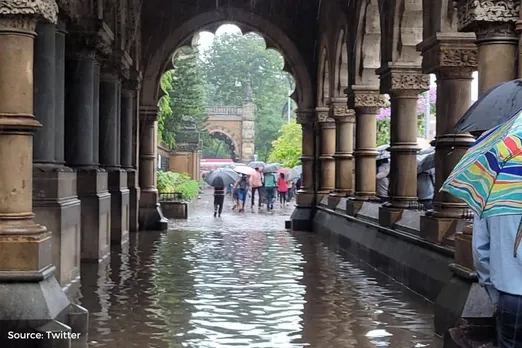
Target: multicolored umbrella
{"points": [[489, 176]]}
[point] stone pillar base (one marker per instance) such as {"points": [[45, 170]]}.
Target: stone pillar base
{"points": [[464, 303], [436, 229], [120, 202], [301, 219], [305, 199], [463, 250], [134, 199], [388, 216], [42, 313], [96, 214], [150, 215], [57, 207], [353, 207], [334, 198]]}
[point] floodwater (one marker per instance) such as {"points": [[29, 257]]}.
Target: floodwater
{"points": [[243, 281]]}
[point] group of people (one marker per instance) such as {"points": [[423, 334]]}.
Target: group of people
{"points": [[264, 184]]}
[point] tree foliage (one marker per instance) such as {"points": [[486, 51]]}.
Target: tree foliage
{"points": [[184, 88], [234, 64], [287, 148]]}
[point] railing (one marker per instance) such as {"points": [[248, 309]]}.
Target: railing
{"points": [[171, 197], [224, 110]]}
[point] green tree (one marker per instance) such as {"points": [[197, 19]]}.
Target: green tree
{"points": [[234, 64], [287, 148], [215, 148], [184, 88]]}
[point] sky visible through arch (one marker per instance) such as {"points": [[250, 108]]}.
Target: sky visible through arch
{"points": [[205, 38]]}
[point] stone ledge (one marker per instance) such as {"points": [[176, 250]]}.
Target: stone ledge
{"points": [[414, 262]]}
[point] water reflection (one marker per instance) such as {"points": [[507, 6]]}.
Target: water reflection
{"points": [[242, 281]]}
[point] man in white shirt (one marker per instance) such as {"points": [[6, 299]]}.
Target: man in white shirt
{"points": [[382, 180]]}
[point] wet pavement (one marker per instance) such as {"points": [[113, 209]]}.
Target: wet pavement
{"points": [[243, 281]]}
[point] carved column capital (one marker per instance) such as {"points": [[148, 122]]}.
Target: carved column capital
{"points": [[340, 111], [368, 99], [73, 9], [148, 113], [322, 115], [90, 37], [406, 79], [24, 14], [304, 117], [449, 55], [489, 19]]}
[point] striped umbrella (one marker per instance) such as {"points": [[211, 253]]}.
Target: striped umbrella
{"points": [[489, 176]]}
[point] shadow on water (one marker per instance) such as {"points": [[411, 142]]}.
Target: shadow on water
{"points": [[242, 281]]}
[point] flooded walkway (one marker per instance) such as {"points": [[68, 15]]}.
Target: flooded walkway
{"points": [[243, 281]]}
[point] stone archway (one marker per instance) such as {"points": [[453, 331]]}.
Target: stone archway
{"points": [[248, 22], [237, 125]]}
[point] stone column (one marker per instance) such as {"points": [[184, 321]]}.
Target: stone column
{"points": [[327, 152], [81, 64], [54, 192], [26, 270], [306, 195], [345, 121], [367, 101], [497, 41], [129, 118], [403, 83], [150, 214], [110, 148], [453, 58]]}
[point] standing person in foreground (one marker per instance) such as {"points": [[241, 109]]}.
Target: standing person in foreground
{"points": [[499, 271], [256, 182], [242, 189], [282, 189], [219, 199], [270, 187]]}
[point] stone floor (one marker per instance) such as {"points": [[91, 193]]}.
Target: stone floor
{"points": [[243, 281]]}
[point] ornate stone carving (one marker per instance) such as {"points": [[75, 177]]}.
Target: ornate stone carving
{"points": [[408, 81], [47, 9], [73, 9], [487, 30], [342, 113], [91, 36], [369, 100], [471, 12], [458, 57], [304, 117], [324, 117]]}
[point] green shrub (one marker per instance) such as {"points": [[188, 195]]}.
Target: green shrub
{"points": [[170, 182]]}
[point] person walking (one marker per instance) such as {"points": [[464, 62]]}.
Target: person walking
{"points": [[219, 199], [282, 189], [256, 182], [495, 245], [382, 180], [242, 191], [270, 187]]}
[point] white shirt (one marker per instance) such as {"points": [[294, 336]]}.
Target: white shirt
{"points": [[382, 180]]}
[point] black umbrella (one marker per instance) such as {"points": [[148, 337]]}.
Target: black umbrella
{"points": [[494, 107]]}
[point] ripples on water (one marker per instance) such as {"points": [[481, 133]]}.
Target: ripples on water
{"points": [[242, 281]]}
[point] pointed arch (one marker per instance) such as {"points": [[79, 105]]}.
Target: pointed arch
{"points": [[341, 65], [323, 88]]}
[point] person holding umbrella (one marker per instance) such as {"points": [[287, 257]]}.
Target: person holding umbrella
{"points": [[242, 189], [219, 179], [219, 196], [489, 179]]}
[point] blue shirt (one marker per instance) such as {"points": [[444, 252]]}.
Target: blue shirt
{"points": [[493, 245]]}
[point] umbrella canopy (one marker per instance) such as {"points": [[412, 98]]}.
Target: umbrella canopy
{"points": [[489, 176], [497, 105], [271, 168], [245, 170], [257, 164], [222, 177], [298, 169], [425, 162], [383, 152]]}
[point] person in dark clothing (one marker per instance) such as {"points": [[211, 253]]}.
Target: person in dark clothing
{"points": [[219, 196], [219, 199], [298, 184]]}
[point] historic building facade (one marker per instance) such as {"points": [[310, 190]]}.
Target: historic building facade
{"points": [[79, 89]]}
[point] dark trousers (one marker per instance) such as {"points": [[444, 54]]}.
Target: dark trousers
{"points": [[509, 321], [218, 203], [282, 197], [270, 195], [258, 189]]}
